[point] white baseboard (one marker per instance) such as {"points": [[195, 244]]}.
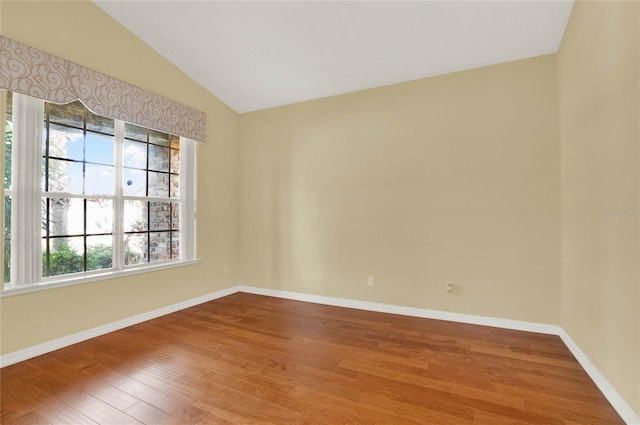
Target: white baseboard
{"points": [[407, 311], [616, 400], [56, 344]]}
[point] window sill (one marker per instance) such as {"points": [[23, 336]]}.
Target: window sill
{"points": [[91, 277]]}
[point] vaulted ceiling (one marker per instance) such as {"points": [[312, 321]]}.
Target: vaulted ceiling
{"points": [[256, 55]]}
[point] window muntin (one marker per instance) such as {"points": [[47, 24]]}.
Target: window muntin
{"points": [[110, 194]]}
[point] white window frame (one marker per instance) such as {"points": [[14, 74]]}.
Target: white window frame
{"points": [[26, 195]]}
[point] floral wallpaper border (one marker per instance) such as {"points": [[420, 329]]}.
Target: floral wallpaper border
{"points": [[30, 71]]}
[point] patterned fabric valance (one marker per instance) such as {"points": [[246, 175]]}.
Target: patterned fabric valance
{"points": [[29, 71]]}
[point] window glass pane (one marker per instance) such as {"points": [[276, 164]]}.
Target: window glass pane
{"points": [[65, 142], [135, 182], [175, 161], [7, 170], [175, 216], [7, 216], [158, 184], [9, 110], [43, 173], [158, 138], [159, 216], [99, 252], [65, 216], [99, 149], [99, 216], [98, 180], [134, 132], [135, 154], [135, 249], [135, 216], [175, 186], [99, 123], [158, 158], [65, 176], [175, 245], [8, 133], [7, 260], [159, 244], [7, 239], [69, 114], [66, 256]]}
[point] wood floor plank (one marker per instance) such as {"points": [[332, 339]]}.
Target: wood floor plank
{"points": [[411, 412], [328, 408], [12, 408], [482, 417], [577, 413], [87, 382], [188, 413], [249, 359], [28, 418], [239, 402], [48, 407], [148, 414], [93, 408], [212, 419]]}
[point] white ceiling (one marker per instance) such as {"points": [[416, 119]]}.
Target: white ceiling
{"points": [[256, 55]]}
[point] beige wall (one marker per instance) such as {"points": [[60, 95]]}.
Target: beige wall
{"points": [[454, 178], [81, 32], [599, 95]]}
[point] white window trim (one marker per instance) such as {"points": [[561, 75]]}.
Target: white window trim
{"points": [[25, 179], [93, 276], [188, 192], [26, 267]]}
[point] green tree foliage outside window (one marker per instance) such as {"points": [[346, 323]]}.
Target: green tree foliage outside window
{"points": [[66, 260]]}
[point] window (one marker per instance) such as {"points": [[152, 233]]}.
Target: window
{"points": [[97, 196]]}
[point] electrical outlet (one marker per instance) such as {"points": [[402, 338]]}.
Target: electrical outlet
{"points": [[371, 281], [449, 287]]}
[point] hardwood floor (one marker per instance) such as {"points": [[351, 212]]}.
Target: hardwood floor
{"points": [[249, 359]]}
